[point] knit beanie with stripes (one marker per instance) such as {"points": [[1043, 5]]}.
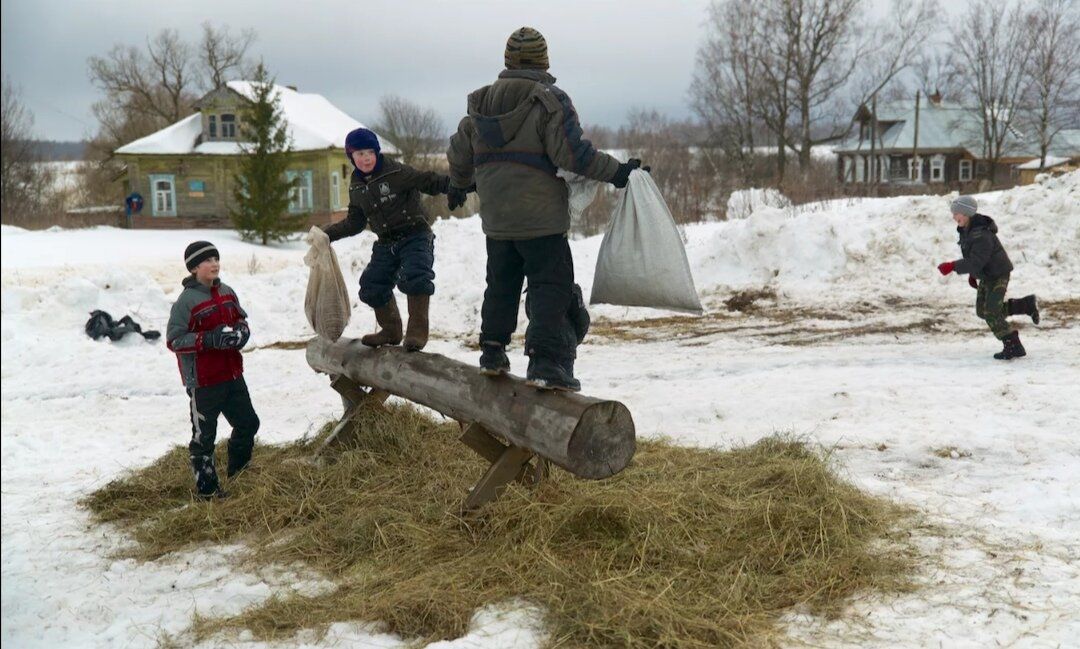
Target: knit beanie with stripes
{"points": [[526, 49], [198, 252]]}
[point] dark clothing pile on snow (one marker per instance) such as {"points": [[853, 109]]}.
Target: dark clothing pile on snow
{"points": [[519, 131], [388, 202], [984, 256], [101, 325], [199, 310]]}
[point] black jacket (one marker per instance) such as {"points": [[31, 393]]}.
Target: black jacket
{"points": [[984, 256], [388, 201]]}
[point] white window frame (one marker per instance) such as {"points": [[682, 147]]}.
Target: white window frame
{"points": [[300, 195], [228, 126], [167, 198], [335, 190], [915, 169], [937, 168], [883, 168], [212, 126], [848, 175], [860, 168], [965, 171]]}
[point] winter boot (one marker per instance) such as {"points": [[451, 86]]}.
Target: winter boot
{"points": [[493, 360], [1031, 307], [547, 374], [1013, 347], [239, 456], [390, 322], [206, 480], [417, 333]]}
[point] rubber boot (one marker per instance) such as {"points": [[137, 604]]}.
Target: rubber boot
{"points": [[1012, 347], [417, 333], [390, 322]]}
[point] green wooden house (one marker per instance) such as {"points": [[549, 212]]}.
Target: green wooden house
{"points": [[185, 171]]}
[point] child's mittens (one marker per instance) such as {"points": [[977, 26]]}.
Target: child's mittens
{"points": [[946, 267]]}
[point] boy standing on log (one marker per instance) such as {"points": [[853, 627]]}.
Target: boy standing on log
{"points": [[988, 267], [207, 329], [384, 195]]}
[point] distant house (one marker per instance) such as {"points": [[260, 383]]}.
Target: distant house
{"points": [[1062, 157], [185, 171], [944, 145]]}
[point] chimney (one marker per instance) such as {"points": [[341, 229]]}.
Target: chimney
{"points": [[935, 98]]}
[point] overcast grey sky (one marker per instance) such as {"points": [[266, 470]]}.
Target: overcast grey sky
{"points": [[609, 55]]}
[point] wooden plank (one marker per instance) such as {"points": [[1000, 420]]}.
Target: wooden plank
{"points": [[505, 469], [486, 446], [589, 437]]}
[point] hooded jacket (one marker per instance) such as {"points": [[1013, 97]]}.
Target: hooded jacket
{"points": [[200, 309], [984, 256], [519, 132]]}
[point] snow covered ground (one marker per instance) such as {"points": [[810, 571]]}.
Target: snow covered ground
{"points": [[865, 349]]}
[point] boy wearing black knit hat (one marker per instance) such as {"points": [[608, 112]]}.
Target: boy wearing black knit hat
{"points": [[207, 329], [988, 267], [384, 195]]}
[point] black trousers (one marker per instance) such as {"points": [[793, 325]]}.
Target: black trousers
{"points": [[547, 264], [231, 399]]}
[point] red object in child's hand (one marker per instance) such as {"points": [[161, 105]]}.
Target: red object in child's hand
{"points": [[972, 282], [946, 268]]}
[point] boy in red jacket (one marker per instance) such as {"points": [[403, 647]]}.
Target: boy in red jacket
{"points": [[207, 329]]}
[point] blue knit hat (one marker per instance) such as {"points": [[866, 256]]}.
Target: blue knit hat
{"points": [[361, 138]]}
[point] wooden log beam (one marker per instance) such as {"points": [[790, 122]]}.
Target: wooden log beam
{"points": [[589, 437]]}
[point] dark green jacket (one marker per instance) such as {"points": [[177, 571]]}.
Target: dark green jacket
{"points": [[520, 131], [388, 201], [984, 256]]}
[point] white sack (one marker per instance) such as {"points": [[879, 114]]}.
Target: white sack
{"points": [[327, 300], [642, 261]]}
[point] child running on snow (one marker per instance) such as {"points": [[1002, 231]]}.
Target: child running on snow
{"points": [[988, 267], [207, 329], [384, 195]]}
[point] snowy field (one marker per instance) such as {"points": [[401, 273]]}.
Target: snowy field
{"points": [[865, 349]]}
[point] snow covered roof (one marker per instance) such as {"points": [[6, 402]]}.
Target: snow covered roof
{"points": [[313, 124], [1051, 161], [941, 126]]}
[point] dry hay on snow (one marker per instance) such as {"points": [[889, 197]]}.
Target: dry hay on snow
{"points": [[688, 547]]}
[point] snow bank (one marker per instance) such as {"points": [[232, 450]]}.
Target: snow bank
{"points": [[743, 202], [844, 251]]}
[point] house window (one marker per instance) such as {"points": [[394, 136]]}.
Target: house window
{"points": [[213, 126], [860, 162], [915, 169], [163, 191], [980, 168], [937, 168], [335, 190], [965, 170], [299, 195], [228, 126]]}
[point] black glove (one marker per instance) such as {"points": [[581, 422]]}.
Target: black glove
{"points": [[244, 331], [455, 196], [218, 338], [622, 176]]}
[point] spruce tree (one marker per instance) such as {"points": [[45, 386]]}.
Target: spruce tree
{"points": [[261, 191]]}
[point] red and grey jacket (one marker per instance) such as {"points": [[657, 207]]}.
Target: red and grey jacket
{"points": [[200, 309]]}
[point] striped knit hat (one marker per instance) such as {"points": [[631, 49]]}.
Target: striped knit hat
{"points": [[526, 49], [198, 252]]}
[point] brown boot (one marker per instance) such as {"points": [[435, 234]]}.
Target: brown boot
{"points": [[417, 334], [390, 322]]}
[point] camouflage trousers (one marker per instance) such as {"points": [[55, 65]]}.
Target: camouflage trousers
{"points": [[990, 305]]}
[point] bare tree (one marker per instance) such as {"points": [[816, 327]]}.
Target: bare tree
{"points": [[222, 53], [991, 60], [1054, 70], [24, 183], [726, 80], [413, 129], [156, 83]]}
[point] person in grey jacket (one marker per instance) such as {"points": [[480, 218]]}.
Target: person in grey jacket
{"points": [[207, 329], [988, 267], [519, 132]]}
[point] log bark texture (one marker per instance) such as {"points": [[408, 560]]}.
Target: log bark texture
{"points": [[589, 437]]}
